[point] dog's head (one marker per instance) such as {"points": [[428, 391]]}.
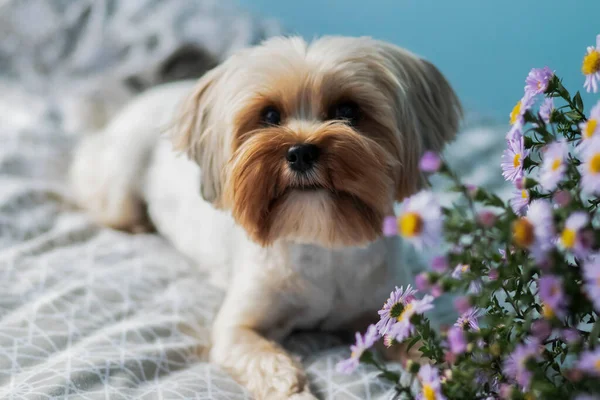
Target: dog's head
{"points": [[314, 142]]}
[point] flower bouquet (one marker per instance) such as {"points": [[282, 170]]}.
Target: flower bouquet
{"points": [[525, 273]]}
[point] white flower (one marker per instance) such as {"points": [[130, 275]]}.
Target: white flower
{"points": [[554, 165], [420, 221], [590, 169]]}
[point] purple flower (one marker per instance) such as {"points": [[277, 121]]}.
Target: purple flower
{"points": [[431, 387], [516, 115], [561, 198], [570, 335], [590, 169], [590, 362], [554, 165], [572, 237], [541, 329], [422, 281], [512, 159], [430, 162], [591, 275], [436, 290], [468, 321], [536, 231], [439, 264], [515, 366], [475, 286], [457, 340], [460, 270], [591, 67], [462, 304], [393, 307], [552, 296], [493, 274], [486, 218], [404, 328], [390, 226], [520, 201], [421, 220], [591, 127], [546, 109], [363, 343], [537, 80]]}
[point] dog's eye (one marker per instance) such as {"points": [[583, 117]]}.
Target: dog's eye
{"points": [[271, 116], [347, 111]]}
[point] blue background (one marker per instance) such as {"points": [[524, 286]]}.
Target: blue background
{"points": [[484, 47]]}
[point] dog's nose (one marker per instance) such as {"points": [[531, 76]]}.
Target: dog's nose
{"points": [[302, 157]]}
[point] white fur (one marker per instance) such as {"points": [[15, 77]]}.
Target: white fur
{"points": [[270, 290]]}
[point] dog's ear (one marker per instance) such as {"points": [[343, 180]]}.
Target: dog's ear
{"points": [[427, 109], [197, 132]]}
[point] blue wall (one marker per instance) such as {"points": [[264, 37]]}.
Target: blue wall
{"points": [[485, 47]]}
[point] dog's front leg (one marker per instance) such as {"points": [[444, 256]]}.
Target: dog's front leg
{"points": [[239, 347]]}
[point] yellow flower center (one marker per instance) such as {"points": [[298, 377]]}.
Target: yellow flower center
{"points": [[547, 311], [591, 63], [523, 232], [568, 238], [590, 127], [517, 160], [524, 194], [597, 365], [515, 113], [464, 268], [428, 392], [408, 308], [595, 164], [556, 164], [410, 224]]}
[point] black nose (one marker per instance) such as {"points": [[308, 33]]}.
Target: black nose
{"points": [[302, 157]]}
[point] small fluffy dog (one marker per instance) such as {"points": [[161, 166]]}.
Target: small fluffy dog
{"points": [[295, 154]]}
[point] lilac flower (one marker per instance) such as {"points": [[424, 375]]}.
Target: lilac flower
{"points": [[590, 169], [591, 275], [404, 328], [541, 329], [552, 296], [460, 270], [512, 159], [536, 231], [591, 127], [363, 343], [570, 335], [515, 366], [537, 80], [421, 220], [422, 281], [439, 264], [430, 162], [591, 67], [390, 226], [486, 218], [436, 290], [462, 304], [431, 387], [546, 109], [475, 286], [457, 340], [554, 165], [520, 201], [590, 362], [393, 307], [562, 198], [516, 116], [468, 320], [493, 274], [572, 237]]}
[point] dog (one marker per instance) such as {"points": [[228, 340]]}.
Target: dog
{"points": [[274, 172]]}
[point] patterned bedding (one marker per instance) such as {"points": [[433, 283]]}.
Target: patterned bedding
{"points": [[88, 312]]}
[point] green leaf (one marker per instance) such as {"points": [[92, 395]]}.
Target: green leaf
{"points": [[414, 341], [578, 102]]}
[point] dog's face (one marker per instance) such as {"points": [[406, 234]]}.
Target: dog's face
{"points": [[314, 143]]}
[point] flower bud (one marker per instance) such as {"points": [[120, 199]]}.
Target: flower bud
{"points": [[430, 162], [462, 304], [390, 226], [422, 281], [439, 264], [486, 218], [562, 198]]}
